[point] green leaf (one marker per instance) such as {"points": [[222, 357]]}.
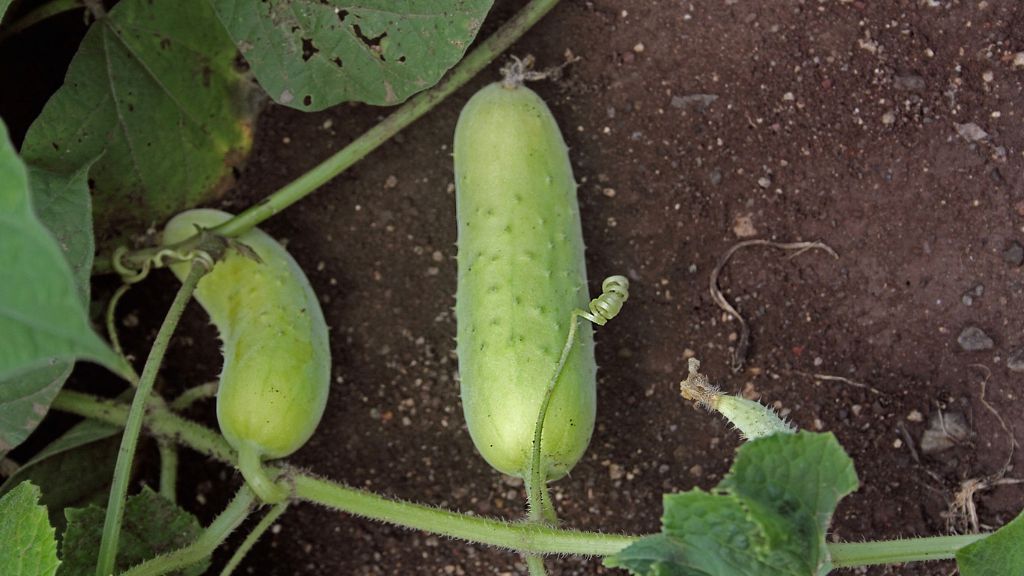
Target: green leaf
{"points": [[312, 54], [801, 480], [152, 526], [25, 399], [4, 5], [1001, 554], [28, 546], [154, 89], [62, 204], [43, 316], [768, 516], [73, 470]]}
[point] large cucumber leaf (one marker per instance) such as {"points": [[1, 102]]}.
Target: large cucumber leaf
{"points": [[155, 89], [43, 319], [312, 54]]}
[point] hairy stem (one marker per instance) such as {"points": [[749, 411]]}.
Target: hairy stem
{"points": [[535, 565], [133, 424], [250, 540], [168, 469], [369, 141], [850, 554], [529, 538], [214, 535], [524, 537], [160, 423], [256, 476], [193, 395]]}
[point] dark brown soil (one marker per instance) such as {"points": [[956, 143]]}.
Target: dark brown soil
{"points": [[833, 120]]}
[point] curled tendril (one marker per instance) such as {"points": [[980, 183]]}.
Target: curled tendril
{"points": [[159, 260], [615, 292]]}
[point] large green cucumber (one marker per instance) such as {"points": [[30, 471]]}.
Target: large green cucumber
{"points": [[521, 276]]}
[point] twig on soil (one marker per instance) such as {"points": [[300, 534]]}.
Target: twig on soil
{"points": [[909, 440], [831, 378], [1006, 428], [963, 513], [739, 354]]}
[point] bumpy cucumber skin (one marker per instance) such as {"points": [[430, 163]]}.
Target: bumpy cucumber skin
{"points": [[521, 273], [277, 361]]}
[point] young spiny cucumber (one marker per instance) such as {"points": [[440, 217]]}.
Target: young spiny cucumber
{"points": [[277, 362], [521, 275], [753, 419]]}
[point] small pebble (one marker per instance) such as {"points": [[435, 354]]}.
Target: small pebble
{"points": [[1014, 254], [974, 339], [699, 101], [909, 83], [764, 182], [970, 132], [945, 430], [1016, 360], [616, 472]]}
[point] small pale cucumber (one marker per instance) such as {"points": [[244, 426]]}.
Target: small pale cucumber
{"points": [[521, 274], [277, 362]]}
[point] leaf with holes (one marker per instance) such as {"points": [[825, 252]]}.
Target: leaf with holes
{"points": [[312, 54], [154, 88]]}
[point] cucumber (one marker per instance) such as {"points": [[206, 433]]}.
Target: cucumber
{"points": [[277, 361], [521, 276]]}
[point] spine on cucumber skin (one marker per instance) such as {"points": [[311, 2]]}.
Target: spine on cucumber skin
{"points": [[521, 273], [276, 375]]}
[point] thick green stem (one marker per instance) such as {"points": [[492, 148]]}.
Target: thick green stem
{"points": [[524, 537], [535, 565], [851, 554], [168, 469], [218, 531], [253, 537], [529, 538], [250, 464], [160, 423], [130, 438], [411, 111]]}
